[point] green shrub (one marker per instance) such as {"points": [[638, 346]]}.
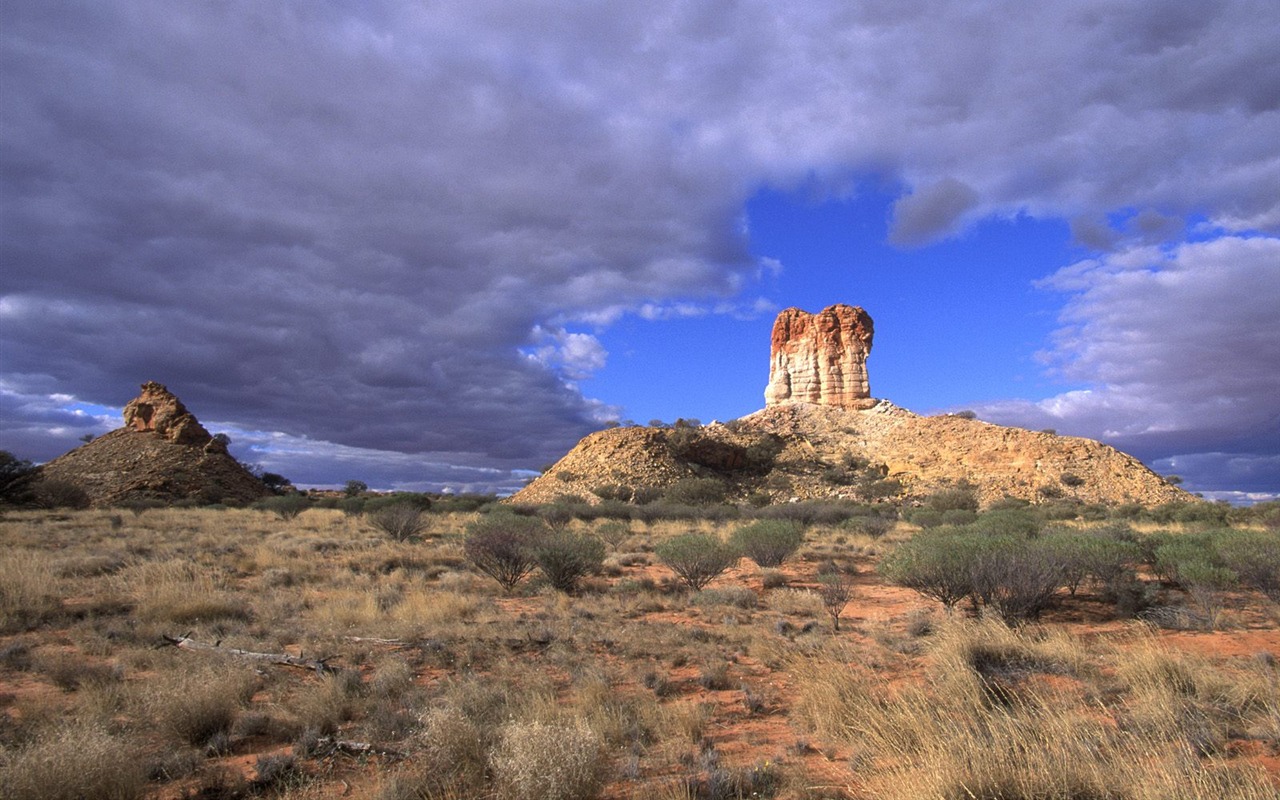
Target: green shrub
{"points": [[874, 526], [696, 492], [614, 533], [614, 491], [1094, 555], [565, 557], [400, 521], [696, 558], [416, 499], [936, 563], [1254, 556], [1017, 578], [1013, 576], [958, 516], [812, 512], [1009, 522], [768, 542], [556, 515], [925, 517], [961, 498], [501, 546], [285, 506]]}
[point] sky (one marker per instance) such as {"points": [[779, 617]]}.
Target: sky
{"points": [[430, 245]]}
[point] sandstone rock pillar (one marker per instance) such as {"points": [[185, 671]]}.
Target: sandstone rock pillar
{"points": [[821, 358]]}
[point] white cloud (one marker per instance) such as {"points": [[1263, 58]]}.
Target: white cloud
{"points": [[1179, 344]]}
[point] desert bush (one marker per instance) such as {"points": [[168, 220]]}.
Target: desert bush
{"points": [[60, 494], [1094, 555], [1017, 578], [696, 558], [925, 517], [181, 592], [501, 546], [768, 542], [614, 533], [1009, 522], [960, 498], [400, 521], [773, 579], [545, 761], [1204, 583], [71, 764], [936, 563], [812, 512], [565, 557], [873, 526], [1254, 556], [198, 706], [613, 491], [285, 506], [696, 492], [836, 590], [16, 475], [958, 516], [1172, 552], [558, 515], [967, 738]]}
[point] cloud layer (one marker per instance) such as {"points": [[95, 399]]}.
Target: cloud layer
{"points": [[393, 225]]}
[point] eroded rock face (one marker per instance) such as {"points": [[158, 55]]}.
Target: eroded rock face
{"points": [[821, 358], [159, 410]]}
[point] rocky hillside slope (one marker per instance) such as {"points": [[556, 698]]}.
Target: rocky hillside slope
{"points": [[808, 451]]}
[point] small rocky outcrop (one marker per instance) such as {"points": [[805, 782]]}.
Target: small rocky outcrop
{"points": [[161, 455], [160, 411], [821, 358]]}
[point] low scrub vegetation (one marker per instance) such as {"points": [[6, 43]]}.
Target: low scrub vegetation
{"points": [[768, 542], [532, 653], [696, 558]]}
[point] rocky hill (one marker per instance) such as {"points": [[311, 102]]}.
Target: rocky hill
{"points": [[162, 454], [810, 452], [820, 436]]}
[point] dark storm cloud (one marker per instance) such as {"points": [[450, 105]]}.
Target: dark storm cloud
{"points": [[931, 212], [347, 220]]}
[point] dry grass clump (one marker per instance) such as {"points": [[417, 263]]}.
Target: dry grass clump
{"points": [[1187, 700], [73, 763], [541, 761], [181, 592], [985, 730], [391, 609], [28, 590], [197, 703]]}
